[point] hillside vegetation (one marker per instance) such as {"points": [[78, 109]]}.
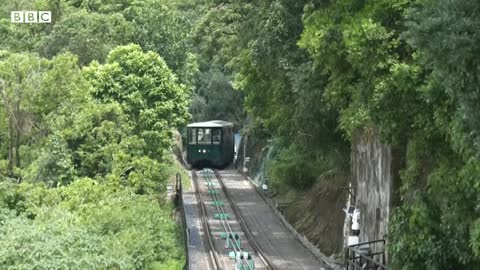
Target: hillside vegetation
{"points": [[314, 72], [89, 107], [90, 104]]}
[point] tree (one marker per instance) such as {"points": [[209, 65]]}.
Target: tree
{"points": [[216, 99], [20, 76], [26, 37], [147, 90], [443, 216], [216, 39], [218, 34], [33, 89], [102, 6], [405, 76], [163, 30], [91, 36], [284, 94], [438, 29]]}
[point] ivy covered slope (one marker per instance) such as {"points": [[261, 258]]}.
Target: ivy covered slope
{"points": [[88, 108]]}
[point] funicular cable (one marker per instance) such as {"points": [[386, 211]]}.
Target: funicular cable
{"points": [[223, 219]]}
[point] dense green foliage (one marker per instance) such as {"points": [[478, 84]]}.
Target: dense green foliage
{"points": [[216, 41], [87, 121], [314, 72], [85, 225], [91, 36], [146, 89], [89, 103]]}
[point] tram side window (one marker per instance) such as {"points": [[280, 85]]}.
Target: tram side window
{"points": [[204, 136], [193, 136], [217, 136]]}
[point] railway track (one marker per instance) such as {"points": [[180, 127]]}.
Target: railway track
{"points": [[243, 256], [214, 260], [280, 245], [249, 235]]}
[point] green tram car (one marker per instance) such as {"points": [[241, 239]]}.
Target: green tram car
{"points": [[210, 144]]}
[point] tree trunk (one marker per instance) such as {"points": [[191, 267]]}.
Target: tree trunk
{"points": [[399, 153], [17, 149], [10, 146]]}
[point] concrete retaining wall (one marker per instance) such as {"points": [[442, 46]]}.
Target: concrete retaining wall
{"points": [[371, 172]]}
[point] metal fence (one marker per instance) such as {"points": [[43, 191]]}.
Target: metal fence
{"points": [[361, 256], [179, 203]]}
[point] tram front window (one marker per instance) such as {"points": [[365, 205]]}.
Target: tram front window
{"points": [[204, 136]]}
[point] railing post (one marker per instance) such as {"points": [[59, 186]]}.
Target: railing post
{"points": [[356, 256]]}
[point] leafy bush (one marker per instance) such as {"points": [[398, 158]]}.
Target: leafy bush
{"points": [[87, 225], [146, 89], [91, 145], [296, 168], [10, 199], [437, 230]]}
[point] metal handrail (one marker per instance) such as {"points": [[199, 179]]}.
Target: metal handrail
{"points": [[377, 264], [186, 237], [367, 243], [356, 255]]}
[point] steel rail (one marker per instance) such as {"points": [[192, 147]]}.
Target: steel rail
{"points": [[213, 253], [219, 210], [225, 223], [244, 226]]}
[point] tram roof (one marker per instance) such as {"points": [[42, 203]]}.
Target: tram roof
{"points": [[213, 123]]}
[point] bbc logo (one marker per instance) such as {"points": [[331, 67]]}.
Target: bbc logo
{"points": [[31, 16]]}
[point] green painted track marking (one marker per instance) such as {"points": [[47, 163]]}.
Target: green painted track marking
{"points": [[221, 216], [223, 235], [218, 203], [244, 261], [233, 240], [213, 192]]}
